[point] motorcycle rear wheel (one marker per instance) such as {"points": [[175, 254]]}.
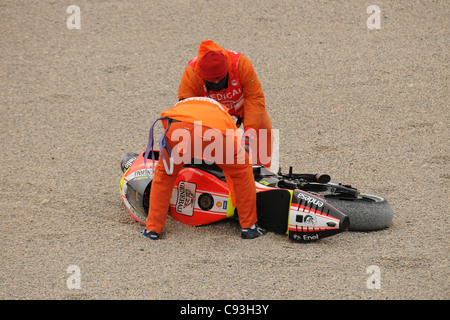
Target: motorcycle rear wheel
{"points": [[367, 212]]}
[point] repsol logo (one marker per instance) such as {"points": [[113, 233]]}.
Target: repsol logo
{"points": [[310, 199]]}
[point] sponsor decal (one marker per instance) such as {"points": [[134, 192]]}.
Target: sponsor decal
{"points": [[129, 163], [185, 198], [309, 199], [305, 237], [310, 220], [310, 238]]}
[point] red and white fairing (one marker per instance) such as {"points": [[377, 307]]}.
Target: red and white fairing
{"points": [[201, 196]]}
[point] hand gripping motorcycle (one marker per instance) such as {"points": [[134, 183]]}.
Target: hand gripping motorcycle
{"points": [[305, 206]]}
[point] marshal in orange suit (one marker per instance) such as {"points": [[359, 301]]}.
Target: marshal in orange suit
{"points": [[184, 117], [229, 78]]}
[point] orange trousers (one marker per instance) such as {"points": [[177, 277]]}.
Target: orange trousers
{"points": [[238, 176], [261, 141]]}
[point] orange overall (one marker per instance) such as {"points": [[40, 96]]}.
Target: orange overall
{"points": [[243, 97], [238, 174]]}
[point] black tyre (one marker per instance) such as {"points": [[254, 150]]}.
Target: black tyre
{"points": [[367, 212]]}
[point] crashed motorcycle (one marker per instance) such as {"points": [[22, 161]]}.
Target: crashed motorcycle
{"points": [[304, 206]]}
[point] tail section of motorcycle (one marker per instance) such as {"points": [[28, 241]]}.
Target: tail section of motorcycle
{"points": [[303, 216]]}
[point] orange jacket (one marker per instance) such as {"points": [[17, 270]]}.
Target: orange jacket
{"points": [[211, 113], [253, 109]]}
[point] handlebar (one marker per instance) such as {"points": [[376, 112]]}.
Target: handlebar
{"points": [[308, 177]]}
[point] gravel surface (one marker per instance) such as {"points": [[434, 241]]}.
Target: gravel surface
{"points": [[367, 106]]}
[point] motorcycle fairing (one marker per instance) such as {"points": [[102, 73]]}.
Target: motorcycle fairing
{"points": [[201, 196], [198, 198], [273, 209], [135, 189], [311, 218]]}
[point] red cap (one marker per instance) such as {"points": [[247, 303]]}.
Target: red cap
{"points": [[213, 66]]}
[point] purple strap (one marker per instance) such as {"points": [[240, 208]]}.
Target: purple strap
{"points": [[162, 145]]}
